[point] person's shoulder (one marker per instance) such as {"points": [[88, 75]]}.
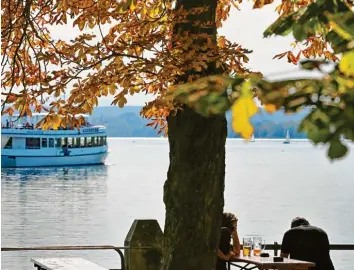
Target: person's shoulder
{"points": [[318, 229], [292, 230], [296, 231]]}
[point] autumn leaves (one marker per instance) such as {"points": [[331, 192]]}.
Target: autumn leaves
{"points": [[141, 50]]}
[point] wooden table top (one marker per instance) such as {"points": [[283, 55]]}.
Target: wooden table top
{"points": [[267, 262]]}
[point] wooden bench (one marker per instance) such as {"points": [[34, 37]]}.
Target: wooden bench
{"points": [[73, 263]]}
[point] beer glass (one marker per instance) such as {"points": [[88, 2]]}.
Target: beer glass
{"points": [[247, 246], [258, 245]]}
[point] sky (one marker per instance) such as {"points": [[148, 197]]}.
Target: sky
{"points": [[244, 27]]}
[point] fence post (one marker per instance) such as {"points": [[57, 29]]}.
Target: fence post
{"points": [[276, 247], [143, 233]]}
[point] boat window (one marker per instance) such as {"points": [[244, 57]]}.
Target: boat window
{"points": [[77, 142], [51, 142], [82, 142], [58, 142], [33, 143], [92, 141], [44, 142], [105, 140], [101, 140], [98, 141], [70, 142], [65, 142], [9, 144], [88, 142]]}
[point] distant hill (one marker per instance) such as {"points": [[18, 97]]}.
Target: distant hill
{"points": [[126, 122]]}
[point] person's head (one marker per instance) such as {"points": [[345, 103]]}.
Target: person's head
{"points": [[229, 221], [299, 221]]}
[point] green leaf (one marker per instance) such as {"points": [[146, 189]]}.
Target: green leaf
{"points": [[337, 149], [312, 64], [310, 12], [338, 44], [318, 136], [342, 24], [282, 26], [299, 32]]}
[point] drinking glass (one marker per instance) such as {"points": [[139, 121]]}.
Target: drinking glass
{"points": [[247, 246], [258, 245]]}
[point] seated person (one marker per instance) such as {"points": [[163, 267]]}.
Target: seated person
{"points": [[225, 251], [307, 243]]}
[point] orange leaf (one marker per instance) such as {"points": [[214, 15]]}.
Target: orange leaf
{"points": [[11, 98], [261, 3], [280, 56], [270, 108], [291, 58]]}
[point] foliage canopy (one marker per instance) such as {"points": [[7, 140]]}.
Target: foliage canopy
{"points": [[129, 46], [327, 29], [138, 53]]}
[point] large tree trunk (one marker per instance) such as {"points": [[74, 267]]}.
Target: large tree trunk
{"points": [[194, 189]]}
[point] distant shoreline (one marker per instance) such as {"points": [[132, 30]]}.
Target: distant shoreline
{"points": [[231, 139]]}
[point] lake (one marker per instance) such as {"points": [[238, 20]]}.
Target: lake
{"points": [[267, 184]]}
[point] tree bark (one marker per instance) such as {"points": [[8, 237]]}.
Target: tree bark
{"points": [[194, 189]]}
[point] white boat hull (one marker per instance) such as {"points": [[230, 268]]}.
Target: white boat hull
{"points": [[50, 161]]}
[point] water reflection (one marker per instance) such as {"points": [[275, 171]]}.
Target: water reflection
{"points": [[26, 175], [48, 206]]}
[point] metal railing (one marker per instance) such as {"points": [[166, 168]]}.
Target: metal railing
{"points": [[275, 247], [66, 248]]}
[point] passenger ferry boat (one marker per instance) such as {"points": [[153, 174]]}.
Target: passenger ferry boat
{"points": [[22, 145]]}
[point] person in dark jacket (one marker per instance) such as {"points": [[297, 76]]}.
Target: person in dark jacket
{"points": [[226, 251], [307, 243]]}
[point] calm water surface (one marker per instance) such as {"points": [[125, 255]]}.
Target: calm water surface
{"points": [[267, 184]]}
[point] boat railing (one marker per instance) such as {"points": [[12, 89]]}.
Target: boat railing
{"points": [[17, 127], [33, 147], [85, 129], [274, 247]]}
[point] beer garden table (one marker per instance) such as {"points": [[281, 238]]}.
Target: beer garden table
{"points": [[264, 263]]}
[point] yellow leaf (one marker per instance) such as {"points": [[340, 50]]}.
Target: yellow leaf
{"points": [[45, 125], [81, 25], [56, 120], [112, 88], [121, 102], [346, 64], [104, 90], [132, 4], [86, 107], [91, 24], [222, 42], [242, 110]]}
